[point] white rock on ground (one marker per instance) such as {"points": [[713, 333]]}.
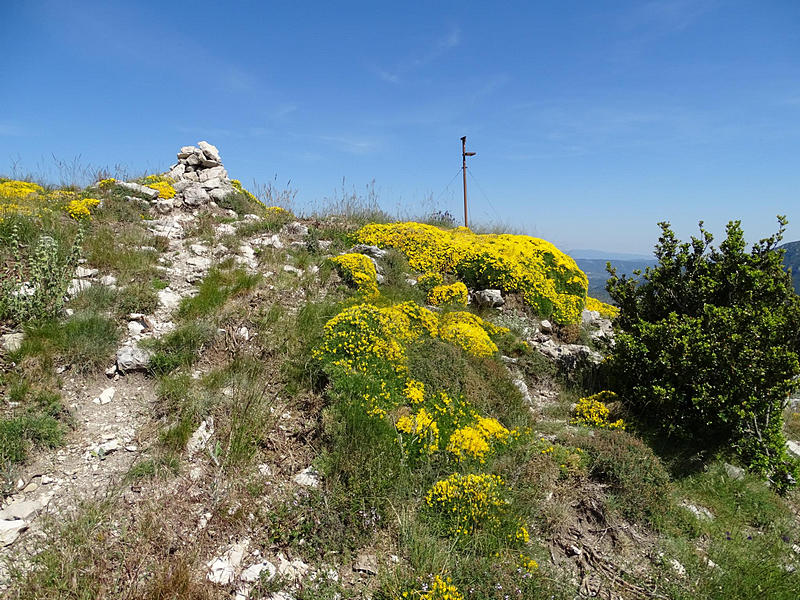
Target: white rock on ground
{"points": [[106, 396], [308, 477], [145, 191], [490, 298], [222, 569], [10, 530], [85, 273], [168, 299], [253, 573], [793, 447], [132, 358], [200, 437], [11, 342]]}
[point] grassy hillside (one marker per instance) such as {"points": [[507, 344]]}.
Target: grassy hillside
{"points": [[205, 397]]}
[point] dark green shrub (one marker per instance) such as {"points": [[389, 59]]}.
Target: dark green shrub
{"points": [[707, 353]]}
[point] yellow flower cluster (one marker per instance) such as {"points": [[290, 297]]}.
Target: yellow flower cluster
{"points": [[414, 391], [473, 441], [17, 190], [468, 500], [470, 332], [361, 333], [428, 281], [593, 412], [605, 310], [440, 589], [423, 429], [278, 213], [8, 209], [358, 270], [455, 293], [548, 279], [80, 208], [164, 188], [527, 563], [106, 183]]}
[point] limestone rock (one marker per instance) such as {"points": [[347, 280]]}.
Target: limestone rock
{"points": [[793, 447], [21, 509], [222, 569], [488, 298], [200, 437], [132, 358], [10, 530], [308, 477], [253, 573], [106, 396], [225, 229], [11, 342], [212, 173], [372, 251], [142, 190], [84, 273], [195, 195], [211, 152], [168, 299]]}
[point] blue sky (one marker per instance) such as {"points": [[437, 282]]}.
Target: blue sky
{"points": [[592, 120]]}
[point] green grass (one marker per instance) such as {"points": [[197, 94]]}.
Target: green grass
{"points": [[215, 290], [86, 340], [115, 250], [179, 348]]}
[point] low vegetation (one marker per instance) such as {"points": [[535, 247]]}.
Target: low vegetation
{"points": [[359, 416]]}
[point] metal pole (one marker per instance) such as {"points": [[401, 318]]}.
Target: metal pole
{"points": [[464, 171]]}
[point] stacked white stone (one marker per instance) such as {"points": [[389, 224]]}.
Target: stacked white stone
{"points": [[199, 175]]}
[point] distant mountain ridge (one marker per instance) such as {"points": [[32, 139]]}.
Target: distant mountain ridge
{"points": [[791, 260], [595, 269], [593, 254], [593, 263]]}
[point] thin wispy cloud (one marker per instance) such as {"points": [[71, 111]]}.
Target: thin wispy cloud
{"points": [[414, 61], [10, 129]]}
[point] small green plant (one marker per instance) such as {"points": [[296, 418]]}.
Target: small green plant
{"points": [[37, 286]]}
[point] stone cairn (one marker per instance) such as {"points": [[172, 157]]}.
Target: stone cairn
{"points": [[199, 176]]}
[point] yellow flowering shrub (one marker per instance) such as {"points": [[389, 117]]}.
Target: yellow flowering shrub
{"points": [[164, 188], [358, 270], [470, 332], [17, 190], [455, 293], [414, 391], [428, 281], [422, 431], [593, 412], [467, 501], [439, 589], [606, 310], [106, 183], [547, 279], [80, 208], [475, 441]]}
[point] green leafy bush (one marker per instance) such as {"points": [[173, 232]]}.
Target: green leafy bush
{"points": [[707, 353], [38, 284]]}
